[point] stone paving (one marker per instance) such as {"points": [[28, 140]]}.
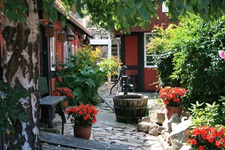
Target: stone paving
{"points": [[107, 129]]}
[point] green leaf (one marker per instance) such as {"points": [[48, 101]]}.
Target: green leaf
{"points": [[144, 14], [90, 82], [130, 3], [138, 4], [54, 16], [77, 91]]}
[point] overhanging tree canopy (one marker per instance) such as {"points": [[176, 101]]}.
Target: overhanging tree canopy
{"points": [[21, 36], [121, 14]]}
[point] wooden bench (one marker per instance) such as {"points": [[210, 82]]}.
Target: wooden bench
{"points": [[51, 141], [50, 104]]}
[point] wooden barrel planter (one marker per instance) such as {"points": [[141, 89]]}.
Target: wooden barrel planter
{"points": [[130, 108]]}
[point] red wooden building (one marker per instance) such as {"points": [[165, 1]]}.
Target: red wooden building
{"points": [[52, 49], [142, 72]]}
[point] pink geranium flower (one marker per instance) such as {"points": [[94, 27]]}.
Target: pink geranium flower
{"points": [[222, 54]]}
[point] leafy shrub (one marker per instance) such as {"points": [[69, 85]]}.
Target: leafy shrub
{"points": [[197, 65], [165, 69], [208, 114], [208, 126], [9, 112], [85, 73], [188, 57]]}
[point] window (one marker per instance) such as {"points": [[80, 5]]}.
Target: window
{"points": [[52, 54], [149, 57], [68, 51], [165, 8]]}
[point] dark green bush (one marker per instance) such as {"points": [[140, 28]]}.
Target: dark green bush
{"points": [[198, 66], [9, 107], [165, 69], [188, 57]]}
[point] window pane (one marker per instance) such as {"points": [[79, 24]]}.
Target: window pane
{"points": [[149, 56], [52, 54]]}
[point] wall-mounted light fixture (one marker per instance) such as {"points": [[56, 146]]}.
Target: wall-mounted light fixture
{"points": [[70, 36], [49, 30], [62, 36]]}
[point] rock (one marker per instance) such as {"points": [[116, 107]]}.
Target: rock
{"points": [[175, 119], [157, 117], [185, 115], [178, 135], [166, 136], [109, 128], [154, 131], [136, 141], [130, 129], [186, 147], [160, 129], [145, 119], [144, 126]]}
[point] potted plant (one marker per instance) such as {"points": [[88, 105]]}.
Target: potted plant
{"points": [[206, 138], [83, 116], [64, 91], [172, 97], [85, 72]]}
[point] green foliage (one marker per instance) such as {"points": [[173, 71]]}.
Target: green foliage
{"points": [[16, 11], [188, 57], [198, 66], [9, 112], [167, 43], [110, 65], [147, 111], [84, 75], [208, 114], [119, 15], [207, 9]]}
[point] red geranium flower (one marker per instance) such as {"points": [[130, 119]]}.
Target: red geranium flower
{"points": [[63, 91], [83, 115], [172, 96], [206, 137]]}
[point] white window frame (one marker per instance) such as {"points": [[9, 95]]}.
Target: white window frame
{"points": [[52, 53], [68, 51], [145, 50]]}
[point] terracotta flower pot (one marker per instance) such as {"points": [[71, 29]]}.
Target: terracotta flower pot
{"points": [[82, 132], [172, 110]]}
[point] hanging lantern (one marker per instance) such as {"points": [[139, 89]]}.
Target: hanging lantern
{"points": [[70, 36], [49, 30], [62, 36]]}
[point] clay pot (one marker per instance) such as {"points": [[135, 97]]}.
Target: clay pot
{"points": [[172, 110], [82, 132]]}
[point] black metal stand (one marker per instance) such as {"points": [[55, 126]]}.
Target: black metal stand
{"points": [[122, 72]]}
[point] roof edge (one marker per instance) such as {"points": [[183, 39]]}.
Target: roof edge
{"points": [[72, 19]]}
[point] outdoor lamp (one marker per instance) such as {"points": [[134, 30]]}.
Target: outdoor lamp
{"points": [[49, 30], [62, 36], [70, 36]]}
